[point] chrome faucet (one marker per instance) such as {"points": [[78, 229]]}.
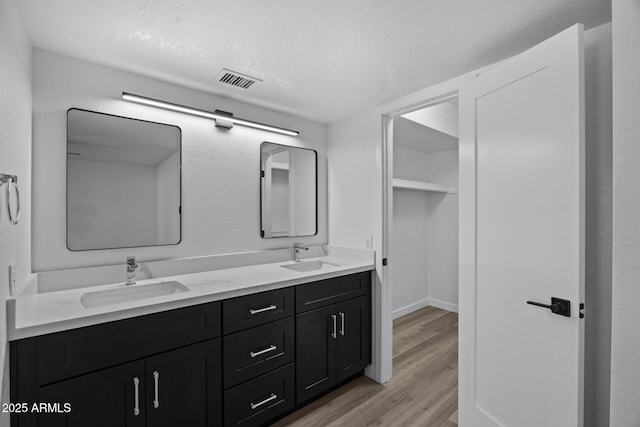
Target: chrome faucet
{"points": [[131, 270], [297, 247]]}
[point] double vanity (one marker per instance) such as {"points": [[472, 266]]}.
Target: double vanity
{"points": [[232, 346], [233, 340]]}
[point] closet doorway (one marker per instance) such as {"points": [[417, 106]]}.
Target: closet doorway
{"points": [[522, 133], [424, 226], [422, 152]]}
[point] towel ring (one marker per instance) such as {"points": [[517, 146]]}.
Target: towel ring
{"points": [[11, 179]]}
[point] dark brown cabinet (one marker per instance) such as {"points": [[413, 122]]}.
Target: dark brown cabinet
{"points": [[180, 387], [256, 351], [353, 341], [155, 370], [244, 361], [183, 386], [104, 398], [315, 353], [257, 309], [259, 368], [333, 342], [260, 400]]}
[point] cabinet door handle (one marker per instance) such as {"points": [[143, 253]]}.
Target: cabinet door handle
{"points": [[136, 397], [262, 310], [334, 334], [268, 399], [156, 380], [341, 323], [266, 350]]}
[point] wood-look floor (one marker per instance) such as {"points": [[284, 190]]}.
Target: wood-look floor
{"points": [[422, 392]]}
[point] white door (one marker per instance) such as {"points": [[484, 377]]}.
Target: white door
{"points": [[522, 238]]}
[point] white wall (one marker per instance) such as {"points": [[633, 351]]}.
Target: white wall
{"points": [[168, 198], [443, 166], [354, 153], [111, 204], [302, 164], [443, 251], [15, 159], [220, 169], [625, 343], [410, 251], [410, 163], [353, 180], [443, 232], [280, 201], [598, 225], [424, 237], [413, 136], [424, 243], [409, 240]]}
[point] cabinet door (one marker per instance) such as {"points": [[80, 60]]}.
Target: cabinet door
{"points": [[104, 398], [184, 386], [315, 352], [354, 337]]}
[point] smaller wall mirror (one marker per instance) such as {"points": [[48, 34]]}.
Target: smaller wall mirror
{"points": [[288, 192], [123, 182]]}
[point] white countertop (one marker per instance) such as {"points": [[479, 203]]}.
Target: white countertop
{"points": [[43, 313]]}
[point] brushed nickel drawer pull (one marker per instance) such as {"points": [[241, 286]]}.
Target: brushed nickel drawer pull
{"points": [[268, 399], [266, 350], [156, 380], [136, 397], [262, 310]]}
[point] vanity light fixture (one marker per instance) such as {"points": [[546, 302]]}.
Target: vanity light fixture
{"points": [[222, 117]]}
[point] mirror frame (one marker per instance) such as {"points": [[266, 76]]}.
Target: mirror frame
{"points": [[261, 176], [66, 207]]}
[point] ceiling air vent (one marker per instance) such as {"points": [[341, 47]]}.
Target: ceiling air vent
{"points": [[236, 79]]}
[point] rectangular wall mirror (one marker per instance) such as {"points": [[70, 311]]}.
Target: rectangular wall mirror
{"points": [[123, 182], [288, 192]]}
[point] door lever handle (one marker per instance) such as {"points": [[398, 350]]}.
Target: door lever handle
{"points": [[558, 306]]}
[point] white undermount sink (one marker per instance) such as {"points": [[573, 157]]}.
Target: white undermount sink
{"points": [[304, 266], [131, 292]]}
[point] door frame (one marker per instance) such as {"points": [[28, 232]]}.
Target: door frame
{"points": [[383, 324], [382, 369]]}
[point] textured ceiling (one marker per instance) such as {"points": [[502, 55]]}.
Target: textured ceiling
{"points": [[320, 59]]}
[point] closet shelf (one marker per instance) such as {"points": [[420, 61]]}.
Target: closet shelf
{"points": [[424, 186], [281, 166]]}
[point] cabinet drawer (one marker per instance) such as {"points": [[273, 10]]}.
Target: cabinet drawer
{"points": [[66, 354], [257, 401], [258, 350], [257, 309], [330, 291]]}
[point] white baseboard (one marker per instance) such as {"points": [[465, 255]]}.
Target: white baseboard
{"points": [[442, 304], [424, 303], [410, 308]]}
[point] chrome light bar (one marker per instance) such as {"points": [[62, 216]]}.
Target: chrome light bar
{"points": [[205, 114]]}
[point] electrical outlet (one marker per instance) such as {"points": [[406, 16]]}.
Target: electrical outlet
{"points": [[12, 278], [368, 242]]}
